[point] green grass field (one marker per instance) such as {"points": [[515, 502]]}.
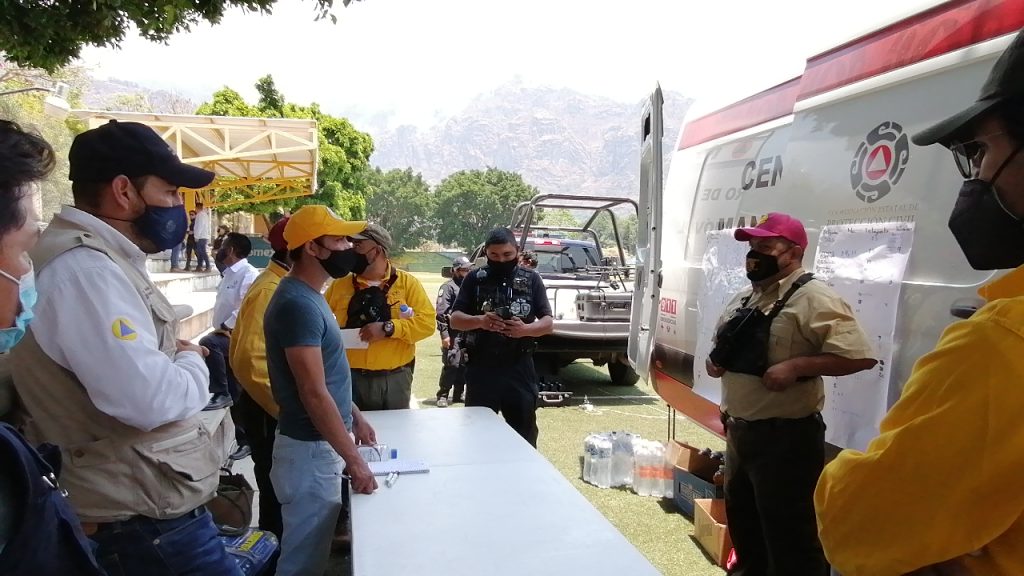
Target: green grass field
{"points": [[653, 525]]}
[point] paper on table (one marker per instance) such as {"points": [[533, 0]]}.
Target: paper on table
{"points": [[401, 466], [350, 338]]}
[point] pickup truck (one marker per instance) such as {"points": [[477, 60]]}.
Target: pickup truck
{"points": [[590, 293]]}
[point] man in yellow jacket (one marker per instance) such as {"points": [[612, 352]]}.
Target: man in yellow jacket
{"points": [[392, 312], [248, 356], [938, 492]]}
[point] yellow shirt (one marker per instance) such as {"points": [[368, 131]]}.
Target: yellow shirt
{"points": [[248, 353], [943, 479], [816, 320], [400, 348]]}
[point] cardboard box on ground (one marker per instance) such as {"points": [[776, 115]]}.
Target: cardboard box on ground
{"points": [[710, 529], [693, 474]]}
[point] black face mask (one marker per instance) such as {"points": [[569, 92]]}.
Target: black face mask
{"points": [[502, 268], [763, 267], [343, 262], [458, 279], [219, 260], [991, 238]]}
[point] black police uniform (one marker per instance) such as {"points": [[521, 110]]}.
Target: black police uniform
{"points": [[453, 371], [500, 373]]}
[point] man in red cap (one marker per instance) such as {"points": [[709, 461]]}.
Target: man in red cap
{"points": [[248, 356], [773, 344]]}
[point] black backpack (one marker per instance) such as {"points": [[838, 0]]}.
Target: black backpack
{"points": [[48, 537]]}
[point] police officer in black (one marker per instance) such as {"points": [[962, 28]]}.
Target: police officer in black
{"points": [[453, 349], [503, 308]]}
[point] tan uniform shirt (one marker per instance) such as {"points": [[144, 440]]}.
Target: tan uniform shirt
{"points": [[815, 321]]}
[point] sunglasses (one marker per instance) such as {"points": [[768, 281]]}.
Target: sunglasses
{"points": [[968, 155]]}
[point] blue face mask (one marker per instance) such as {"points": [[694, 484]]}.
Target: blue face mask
{"points": [[27, 297], [164, 226]]}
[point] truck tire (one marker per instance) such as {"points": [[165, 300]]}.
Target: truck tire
{"points": [[622, 374]]}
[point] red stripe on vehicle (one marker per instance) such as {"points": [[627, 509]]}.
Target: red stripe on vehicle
{"points": [[941, 30], [768, 105], [934, 32]]}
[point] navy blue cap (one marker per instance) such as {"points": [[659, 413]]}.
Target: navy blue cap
{"points": [[130, 149]]}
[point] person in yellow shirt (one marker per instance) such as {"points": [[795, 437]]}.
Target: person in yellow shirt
{"points": [[373, 301], [938, 492], [248, 357]]}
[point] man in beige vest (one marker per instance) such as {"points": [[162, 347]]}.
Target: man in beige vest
{"points": [[101, 373]]}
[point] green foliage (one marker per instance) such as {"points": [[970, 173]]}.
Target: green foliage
{"points": [[130, 103], [49, 35], [271, 100], [560, 217], [344, 152], [602, 226], [401, 202], [28, 111], [470, 203]]}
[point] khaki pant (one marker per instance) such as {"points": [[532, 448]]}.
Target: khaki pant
{"points": [[382, 389]]}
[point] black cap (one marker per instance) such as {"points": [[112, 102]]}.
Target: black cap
{"points": [[1005, 81], [133, 150]]}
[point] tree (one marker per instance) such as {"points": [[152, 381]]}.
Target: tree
{"points": [[27, 110], [559, 217], [49, 35], [271, 100], [602, 226], [344, 152], [470, 203], [400, 201], [129, 103]]}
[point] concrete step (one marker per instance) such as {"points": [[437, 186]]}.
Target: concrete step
{"points": [[177, 287], [201, 319], [198, 291]]}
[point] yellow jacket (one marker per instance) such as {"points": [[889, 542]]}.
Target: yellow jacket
{"points": [[942, 480], [248, 353], [400, 349]]}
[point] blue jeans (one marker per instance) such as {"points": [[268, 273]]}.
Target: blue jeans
{"points": [[185, 546], [308, 482], [202, 256], [176, 256]]}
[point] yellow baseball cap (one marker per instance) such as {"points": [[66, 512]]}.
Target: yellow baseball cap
{"points": [[313, 221]]}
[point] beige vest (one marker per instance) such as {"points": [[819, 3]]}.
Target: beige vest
{"points": [[114, 471]]}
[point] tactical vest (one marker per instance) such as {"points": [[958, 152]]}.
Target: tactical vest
{"points": [[114, 471], [506, 297]]}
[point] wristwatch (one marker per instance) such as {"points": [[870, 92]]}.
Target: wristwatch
{"points": [[389, 328]]}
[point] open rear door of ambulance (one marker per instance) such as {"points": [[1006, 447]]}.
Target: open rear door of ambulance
{"points": [[647, 288]]}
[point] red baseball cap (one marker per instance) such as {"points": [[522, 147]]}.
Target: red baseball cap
{"points": [[775, 225], [276, 236]]}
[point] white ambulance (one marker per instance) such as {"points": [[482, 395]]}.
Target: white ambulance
{"points": [[831, 147]]}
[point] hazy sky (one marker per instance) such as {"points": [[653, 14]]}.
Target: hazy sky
{"points": [[424, 59]]}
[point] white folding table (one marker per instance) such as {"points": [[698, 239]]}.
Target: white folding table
{"points": [[490, 505]]}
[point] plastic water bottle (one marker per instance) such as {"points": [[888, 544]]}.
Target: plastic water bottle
{"points": [[641, 473], [622, 459], [668, 488], [656, 469], [604, 464], [405, 311], [588, 459]]}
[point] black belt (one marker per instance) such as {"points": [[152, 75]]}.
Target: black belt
{"points": [[728, 421], [365, 372], [130, 522]]}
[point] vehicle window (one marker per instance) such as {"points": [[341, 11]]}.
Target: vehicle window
{"points": [[563, 259]]}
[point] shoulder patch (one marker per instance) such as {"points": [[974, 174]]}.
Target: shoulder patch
{"points": [[124, 330]]}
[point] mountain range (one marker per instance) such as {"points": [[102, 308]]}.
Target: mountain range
{"points": [[560, 140]]}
